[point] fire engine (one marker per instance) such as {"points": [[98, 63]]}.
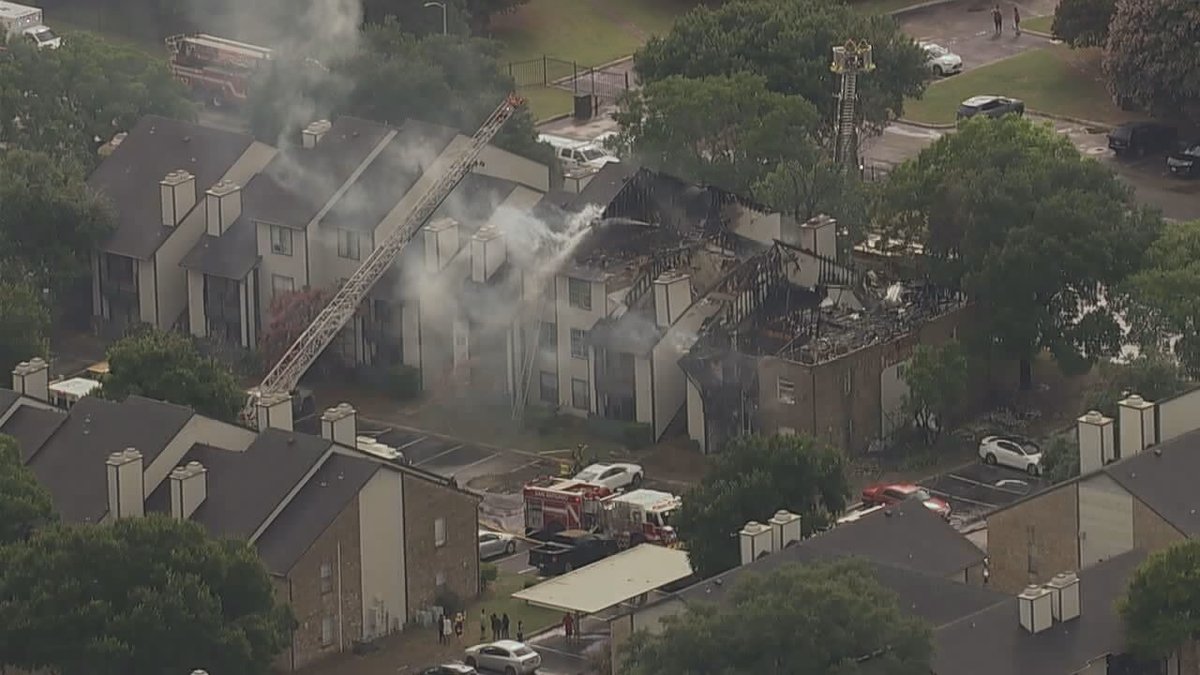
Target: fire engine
{"points": [[215, 68], [555, 504]]}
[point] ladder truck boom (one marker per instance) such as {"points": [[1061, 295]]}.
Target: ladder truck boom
{"points": [[285, 375]]}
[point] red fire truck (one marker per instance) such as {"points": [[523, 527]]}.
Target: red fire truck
{"points": [[217, 69], [556, 504]]}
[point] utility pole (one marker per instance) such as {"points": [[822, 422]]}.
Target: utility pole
{"points": [[848, 61], [437, 3]]}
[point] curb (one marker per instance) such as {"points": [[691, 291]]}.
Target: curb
{"points": [[1038, 33], [917, 7], [1073, 120], [927, 125]]}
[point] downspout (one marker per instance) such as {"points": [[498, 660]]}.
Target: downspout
{"points": [[154, 269], [341, 605]]}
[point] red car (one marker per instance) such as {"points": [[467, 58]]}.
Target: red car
{"points": [[886, 494]]}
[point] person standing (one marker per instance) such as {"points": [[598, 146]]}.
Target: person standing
{"points": [[1017, 20], [482, 625], [504, 626], [441, 628], [520, 631], [568, 624], [460, 621], [998, 20], [495, 627]]}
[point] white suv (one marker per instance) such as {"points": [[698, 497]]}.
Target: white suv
{"points": [[940, 60]]}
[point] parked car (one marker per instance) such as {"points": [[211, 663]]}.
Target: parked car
{"points": [[1011, 452], [612, 476], [505, 656], [1141, 138], [569, 550], [991, 106], [941, 61], [492, 544], [886, 494], [450, 669], [1186, 160]]}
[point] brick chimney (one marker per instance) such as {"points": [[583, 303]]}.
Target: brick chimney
{"points": [[189, 489], [178, 195], [1137, 425], [672, 295], [222, 206], [274, 411], [314, 132], [1096, 442], [340, 425], [126, 485], [32, 378], [755, 539]]}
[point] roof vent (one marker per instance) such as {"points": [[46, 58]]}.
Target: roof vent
{"points": [[1036, 609], [1064, 596]]}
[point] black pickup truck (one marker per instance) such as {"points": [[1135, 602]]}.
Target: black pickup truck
{"points": [[569, 550]]}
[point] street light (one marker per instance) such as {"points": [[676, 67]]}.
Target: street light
{"points": [[436, 3]]}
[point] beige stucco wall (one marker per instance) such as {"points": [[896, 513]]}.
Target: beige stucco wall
{"points": [[197, 321], [293, 266], [504, 164], [381, 519], [146, 285], [568, 317], [199, 429], [171, 278], [642, 391]]}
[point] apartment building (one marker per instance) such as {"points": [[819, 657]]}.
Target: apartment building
{"points": [[359, 547]]}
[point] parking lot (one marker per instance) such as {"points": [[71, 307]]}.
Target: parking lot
{"points": [[973, 490]]}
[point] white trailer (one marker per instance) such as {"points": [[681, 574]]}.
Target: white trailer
{"points": [[23, 21]]}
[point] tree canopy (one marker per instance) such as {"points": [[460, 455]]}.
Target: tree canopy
{"points": [[788, 43], [24, 324], [25, 506], [1083, 23], [144, 595], [415, 17], [752, 478], [810, 619], [1161, 609], [168, 367], [287, 317], [1011, 214], [1163, 298], [936, 376], [1151, 58]]}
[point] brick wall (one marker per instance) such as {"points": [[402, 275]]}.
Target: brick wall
{"points": [[1034, 540], [1150, 531], [457, 560], [315, 602]]}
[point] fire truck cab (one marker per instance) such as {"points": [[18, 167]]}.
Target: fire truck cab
{"points": [[215, 68], [642, 516], [556, 504]]}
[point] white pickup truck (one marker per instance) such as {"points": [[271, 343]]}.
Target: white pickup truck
{"points": [[25, 21]]}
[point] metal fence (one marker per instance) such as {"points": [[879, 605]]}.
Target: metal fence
{"points": [[606, 84]]}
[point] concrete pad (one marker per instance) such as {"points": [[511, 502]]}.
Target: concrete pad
{"points": [[965, 28]]}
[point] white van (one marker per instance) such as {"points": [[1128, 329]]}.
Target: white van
{"points": [[572, 153], [26, 21]]}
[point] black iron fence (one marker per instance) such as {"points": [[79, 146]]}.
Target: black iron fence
{"points": [[606, 83]]}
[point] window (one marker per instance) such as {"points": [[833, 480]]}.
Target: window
{"points": [[549, 387], [440, 579], [282, 284], [579, 346], [281, 240], [326, 631], [326, 578], [787, 391], [579, 293], [581, 396], [439, 532], [549, 336], [348, 245]]}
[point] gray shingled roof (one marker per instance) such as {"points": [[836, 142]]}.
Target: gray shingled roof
{"points": [[154, 147], [32, 427], [7, 398], [992, 642], [230, 256], [326, 495], [1163, 477], [72, 462]]}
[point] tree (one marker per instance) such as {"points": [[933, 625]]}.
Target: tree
{"points": [[816, 185], [1083, 23], [751, 479], [1161, 609], [830, 617], [1151, 58], [287, 317], [50, 221], [24, 325], [937, 386], [144, 595], [788, 43], [167, 367], [1161, 298], [1060, 459], [724, 131], [66, 102], [25, 505], [1012, 215], [1151, 375]]}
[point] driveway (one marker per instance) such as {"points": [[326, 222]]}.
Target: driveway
{"points": [[965, 28]]}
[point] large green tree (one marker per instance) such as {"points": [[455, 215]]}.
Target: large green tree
{"points": [[752, 478], [25, 506], [24, 324], [66, 102], [1163, 299], [936, 376], [1011, 214], [168, 367], [1161, 609], [789, 43], [813, 619], [1083, 23], [1151, 58], [815, 184], [144, 595]]}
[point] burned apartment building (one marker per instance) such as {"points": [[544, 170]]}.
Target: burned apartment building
{"points": [[805, 343]]}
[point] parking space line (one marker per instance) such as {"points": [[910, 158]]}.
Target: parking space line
{"points": [[990, 487], [947, 495], [444, 452], [412, 443]]}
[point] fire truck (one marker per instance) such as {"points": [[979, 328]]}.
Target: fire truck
{"points": [[217, 69], [556, 504]]}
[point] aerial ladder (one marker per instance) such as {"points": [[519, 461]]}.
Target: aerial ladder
{"points": [[849, 61], [286, 374]]}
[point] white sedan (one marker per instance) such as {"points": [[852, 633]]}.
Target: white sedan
{"points": [[940, 60], [612, 476], [1011, 453], [503, 656]]}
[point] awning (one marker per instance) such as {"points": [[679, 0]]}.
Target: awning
{"points": [[611, 581]]}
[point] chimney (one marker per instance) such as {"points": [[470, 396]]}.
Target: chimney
{"points": [[1035, 609], [189, 488], [1137, 425], [672, 295], [441, 243], [487, 253], [1095, 441], [755, 540], [274, 412], [314, 132], [223, 205], [32, 378], [126, 486], [178, 196], [1064, 596], [340, 425], [819, 235], [785, 529]]}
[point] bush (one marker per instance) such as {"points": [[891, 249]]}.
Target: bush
{"points": [[449, 601], [637, 436], [488, 573], [403, 382], [529, 583], [1060, 460]]}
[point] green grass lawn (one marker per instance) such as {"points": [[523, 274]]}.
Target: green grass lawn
{"points": [[546, 102], [498, 598], [882, 6], [1039, 23], [1055, 80]]}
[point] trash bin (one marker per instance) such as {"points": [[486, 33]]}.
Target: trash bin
{"points": [[583, 106]]}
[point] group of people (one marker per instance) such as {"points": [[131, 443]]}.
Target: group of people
{"points": [[998, 20], [450, 625]]}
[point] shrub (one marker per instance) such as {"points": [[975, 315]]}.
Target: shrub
{"points": [[488, 573]]}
